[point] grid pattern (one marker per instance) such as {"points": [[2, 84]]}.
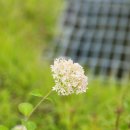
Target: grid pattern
{"points": [[96, 33]]}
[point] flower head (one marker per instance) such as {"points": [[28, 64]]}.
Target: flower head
{"points": [[19, 127], [69, 77]]}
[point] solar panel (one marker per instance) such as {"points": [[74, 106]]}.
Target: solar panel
{"points": [[96, 33]]}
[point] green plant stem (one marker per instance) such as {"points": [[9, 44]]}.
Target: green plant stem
{"points": [[39, 103], [119, 112], [120, 108]]}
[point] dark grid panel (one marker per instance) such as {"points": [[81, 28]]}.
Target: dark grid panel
{"points": [[96, 33]]}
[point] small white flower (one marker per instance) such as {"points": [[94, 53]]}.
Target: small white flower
{"points": [[69, 77], [19, 127]]}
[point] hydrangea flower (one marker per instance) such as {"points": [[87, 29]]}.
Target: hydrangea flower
{"points": [[69, 77], [19, 127]]}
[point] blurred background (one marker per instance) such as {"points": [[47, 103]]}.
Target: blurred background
{"points": [[95, 33]]}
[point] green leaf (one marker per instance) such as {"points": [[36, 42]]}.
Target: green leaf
{"points": [[3, 127], [36, 93], [31, 125], [25, 108]]}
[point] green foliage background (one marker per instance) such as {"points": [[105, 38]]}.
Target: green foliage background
{"points": [[26, 28]]}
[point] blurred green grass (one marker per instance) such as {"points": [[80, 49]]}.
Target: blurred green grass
{"points": [[26, 28]]}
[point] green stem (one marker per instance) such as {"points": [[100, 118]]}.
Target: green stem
{"points": [[120, 107], [39, 104]]}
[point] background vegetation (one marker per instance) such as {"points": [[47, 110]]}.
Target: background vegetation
{"points": [[26, 28]]}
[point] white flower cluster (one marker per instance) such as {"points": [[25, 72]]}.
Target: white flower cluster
{"points": [[19, 127], [69, 77]]}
